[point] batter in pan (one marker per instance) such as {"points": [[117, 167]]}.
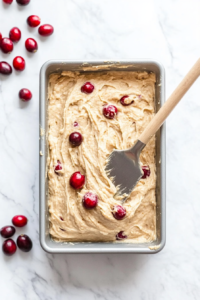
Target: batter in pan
{"points": [[89, 115]]}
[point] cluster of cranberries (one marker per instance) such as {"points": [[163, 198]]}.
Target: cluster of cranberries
{"points": [[24, 243], [77, 180], [20, 2], [6, 46], [109, 110]]}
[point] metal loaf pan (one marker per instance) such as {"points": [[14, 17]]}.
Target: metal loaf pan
{"points": [[47, 243]]}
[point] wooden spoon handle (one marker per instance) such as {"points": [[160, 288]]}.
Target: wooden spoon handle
{"points": [[171, 102]]}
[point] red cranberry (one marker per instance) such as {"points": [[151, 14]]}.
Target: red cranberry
{"points": [[46, 30], [121, 236], [19, 221], [33, 21], [109, 111], [19, 63], [77, 180], [1, 36], [25, 95], [31, 45], [7, 231], [75, 138], [58, 167], [6, 45], [8, 1], [24, 243], [119, 212], [9, 247], [146, 172], [23, 2], [90, 200], [123, 102], [5, 68], [75, 124], [87, 88], [15, 34]]}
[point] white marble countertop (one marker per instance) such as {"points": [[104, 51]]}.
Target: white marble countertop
{"points": [[168, 31]]}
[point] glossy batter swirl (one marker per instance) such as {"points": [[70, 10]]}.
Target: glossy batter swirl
{"points": [[69, 220]]}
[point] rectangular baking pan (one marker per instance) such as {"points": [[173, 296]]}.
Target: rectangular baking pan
{"points": [[47, 243]]}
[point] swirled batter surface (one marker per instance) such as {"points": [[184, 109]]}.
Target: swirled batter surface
{"points": [[69, 220]]}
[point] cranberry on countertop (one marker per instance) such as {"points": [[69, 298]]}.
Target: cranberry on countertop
{"points": [[23, 2], [33, 21], [25, 95], [90, 200], [5, 68], [8, 1], [75, 138], [77, 180], [75, 124], [15, 34], [119, 212], [121, 236], [87, 88], [31, 45], [123, 101], [109, 111], [46, 30], [19, 63], [19, 221], [24, 243], [6, 45], [9, 247], [1, 36], [146, 172], [58, 167], [7, 231]]}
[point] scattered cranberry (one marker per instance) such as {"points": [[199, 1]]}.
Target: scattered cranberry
{"points": [[9, 247], [87, 88], [58, 167], [24, 243], [119, 212], [31, 45], [75, 124], [146, 171], [61, 219], [25, 95], [7, 231], [5, 68], [75, 138], [15, 34], [6, 45], [90, 200], [121, 236], [33, 21], [8, 1], [1, 36], [23, 2], [46, 30], [122, 101], [19, 63], [19, 221], [77, 180], [109, 111]]}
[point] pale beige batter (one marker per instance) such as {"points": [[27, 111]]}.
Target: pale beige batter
{"points": [[69, 220]]}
